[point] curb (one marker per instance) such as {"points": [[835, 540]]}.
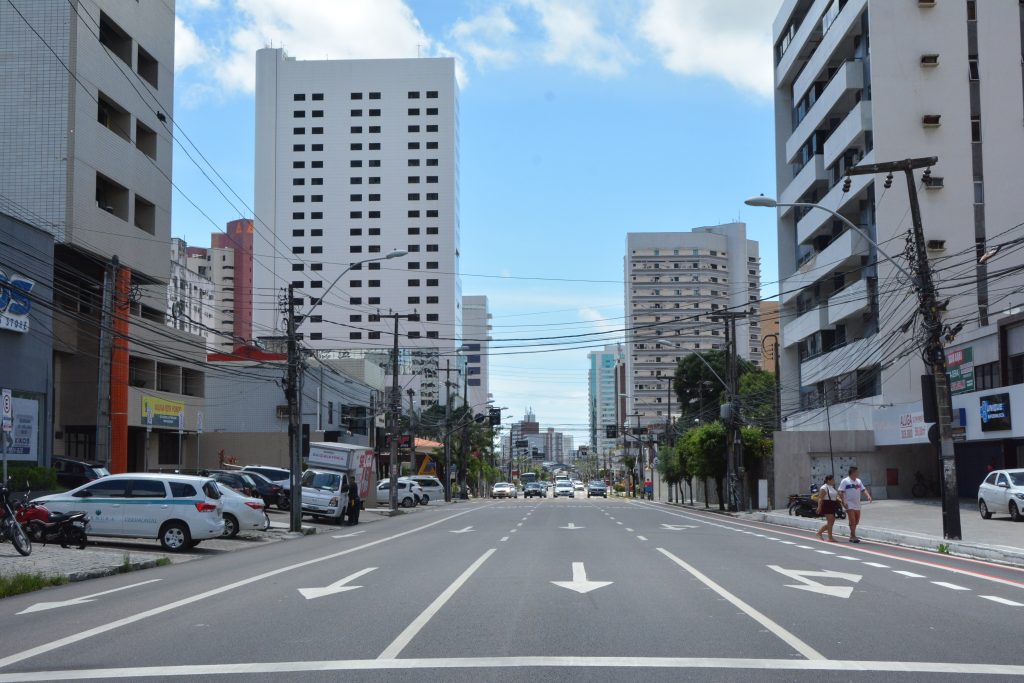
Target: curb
{"points": [[100, 572], [977, 551]]}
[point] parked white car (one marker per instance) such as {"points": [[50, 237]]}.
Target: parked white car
{"points": [[176, 509], [407, 493], [241, 513], [1002, 492], [432, 487]]}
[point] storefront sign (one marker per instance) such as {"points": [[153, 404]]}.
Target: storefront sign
{"points": [[25, 430], [913, 426], [995, 412], [14, 302], [960, 368], [165, 413]]}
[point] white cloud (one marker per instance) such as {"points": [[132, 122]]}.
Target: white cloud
{"points": [[318, 29], [186, 6], [728, 39], [573, 37], [487, 37], [188, 48], [600, 320]]}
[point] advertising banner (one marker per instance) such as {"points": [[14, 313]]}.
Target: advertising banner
{"points": [[995, 412], [960, 368], [165, 413], [25, 430]]}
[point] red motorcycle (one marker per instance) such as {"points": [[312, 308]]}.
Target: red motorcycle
{"points": [[43, 526], [9, 527]]}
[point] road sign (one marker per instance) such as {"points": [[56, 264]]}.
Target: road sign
{"points": [[808, 584], [199, 422], [8, 410]]}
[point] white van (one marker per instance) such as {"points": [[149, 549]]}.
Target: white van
{"points": [[176, 509], [332, 468]]}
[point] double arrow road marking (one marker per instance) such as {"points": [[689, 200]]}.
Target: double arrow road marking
{"points": [[572, 526]]}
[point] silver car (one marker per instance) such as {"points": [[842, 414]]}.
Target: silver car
{"points": [[1002, 492]]}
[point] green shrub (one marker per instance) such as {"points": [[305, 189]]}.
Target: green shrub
{"points": [[26, 583], [618, 488], [38, 478]]}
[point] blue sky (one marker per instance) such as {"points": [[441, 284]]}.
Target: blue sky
{"points": [[581, 120]]}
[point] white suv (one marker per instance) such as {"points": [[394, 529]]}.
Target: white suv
{"points": [[176, 509], [432, 487]]}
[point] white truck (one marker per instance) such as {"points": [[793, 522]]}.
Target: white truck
{"points": [[332, 467]]}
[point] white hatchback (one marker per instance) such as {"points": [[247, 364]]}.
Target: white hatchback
{"points": [[176, 509], [1002, 492]]}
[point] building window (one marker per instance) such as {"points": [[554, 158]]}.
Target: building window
{"points": [[298, 148], [432, 283], [355, 96], [373, 231], [373, 163], [414, 162], [316, 232], [318, 113], [432, 300], [414, 129], [373, 146], [373, 283], [316, 266], [431, 145], [374, 129], [413, 196], [432, 265], [298, 267], [431, 128], [414, 95], [317, 147], [356, 112], [299, 97], [979, 190], [316, 164], [413, 231], [316, 181], [374, 198], [355, 197], [355, 146], [355, 249], [972, 68], [432, 318], [355, 335], [414, 283], [432, 231], [355, 283], [298, 181], [298, 114], [316, 336], [432, 111], [431, 247], [375, 96], [317, 130], [986, 376], [972, 10], [317, 249], [355, 130], [975, 129], [298, 250], [355, 232], [298, 215], [298, 164], [355, 301], [318, 96], [414, 299], [298, 233], [414, 214], [413, 334], [355, 181], [317, 215], [414, 112], [413, 265], [298, 198], [413, 145]]}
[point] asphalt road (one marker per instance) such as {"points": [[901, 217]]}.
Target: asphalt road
{"points": [[568, 589]]}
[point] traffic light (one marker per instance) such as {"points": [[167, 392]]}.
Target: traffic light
{"points": [[494, 417], [611, 432]]}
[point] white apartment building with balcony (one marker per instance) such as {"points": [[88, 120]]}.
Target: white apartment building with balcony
{"points": [[355, 159], [190, 296], [476, 331], [867, 81], [677, 286]]}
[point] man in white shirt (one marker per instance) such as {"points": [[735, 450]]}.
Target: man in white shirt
{"points": [[850, 489]]}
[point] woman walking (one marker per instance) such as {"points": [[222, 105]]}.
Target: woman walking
{"points": [[827, 506]]}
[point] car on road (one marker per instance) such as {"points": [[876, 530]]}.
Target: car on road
{"points": [[178, 510], [503, 489], [432, 487], [563, 487], [577, 485], [241, 513], [407, 495], [1002, 492], [73, 473], [597, 488], [535, 489]]}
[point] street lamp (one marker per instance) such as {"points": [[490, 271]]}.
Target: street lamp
{"points": [[293, 392]]}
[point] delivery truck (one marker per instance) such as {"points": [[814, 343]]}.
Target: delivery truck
{"points": [[331, 469]]}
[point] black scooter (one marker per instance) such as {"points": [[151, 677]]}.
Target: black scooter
{"points": [[806, 506]]}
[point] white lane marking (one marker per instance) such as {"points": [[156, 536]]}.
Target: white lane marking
{"points": [[911, 575], [934, 565], [499, 663], [460, 531], [876, 564], [579, 582], [354, 533], [512, 531], [504, 538], [787, 637], [805, 547], [825, 552], [398, 644], [809, 584], [1002, 601], [618, 522], [43, 606], [677, 527], [97, 630], [847, 557], [642, 538], [336, 587], [629, 530], [788, 542], [951, 586], [572, 526], [519, 524]]}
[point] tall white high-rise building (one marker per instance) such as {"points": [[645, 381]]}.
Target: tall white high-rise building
{"points": [[356, 159], [601, 392], [869, 81], [677, 286], [476, 331]]}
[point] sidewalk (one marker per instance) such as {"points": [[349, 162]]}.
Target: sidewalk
{"points": [[917, 523]]}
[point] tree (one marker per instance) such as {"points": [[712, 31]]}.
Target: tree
{"points": [[757, 399], [695, 381], [629, 462], [705, 454]]}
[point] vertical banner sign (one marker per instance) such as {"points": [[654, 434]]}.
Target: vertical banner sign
{"points": [[960, 368], [8, 408]]}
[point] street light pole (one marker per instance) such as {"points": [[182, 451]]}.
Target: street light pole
{"points": [[396, 411]]}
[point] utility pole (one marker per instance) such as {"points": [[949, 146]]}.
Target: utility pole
{"points": [[734, 445], [770, 473], [934, 352], [447, 433], [103, 378], [294, 397], [412, 431], [395, 404]]}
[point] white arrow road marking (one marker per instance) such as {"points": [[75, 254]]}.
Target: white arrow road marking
{"points": [[579, 582], [336, 587], [808, 584], [572, 526], [677, 527], [460, 531], [354, 533], [43, 606]]}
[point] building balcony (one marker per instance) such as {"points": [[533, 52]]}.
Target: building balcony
{"points": [[837, 200], [850, 300], [838, 93], [813, 172], [824, 53], [804, 326], [862, 353], [789, 63], [846, 250], [849, 133]]}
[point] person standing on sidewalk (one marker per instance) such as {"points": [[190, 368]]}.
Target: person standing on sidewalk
{"points": [[850, 489], [353, 503], [827, 501]]}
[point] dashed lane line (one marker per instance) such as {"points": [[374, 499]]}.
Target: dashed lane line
{"points": [[1002, 601], [911, 575], [629, 530], [504, 538], [951, 586], [642, 538], [877, 564]]}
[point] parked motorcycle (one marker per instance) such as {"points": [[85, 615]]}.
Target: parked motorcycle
{"points": [[807, 505], [45, 527], [9, 527]]}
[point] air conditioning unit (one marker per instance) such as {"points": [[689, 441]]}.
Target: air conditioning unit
{"points": [[931, 120], [929, 60]]}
